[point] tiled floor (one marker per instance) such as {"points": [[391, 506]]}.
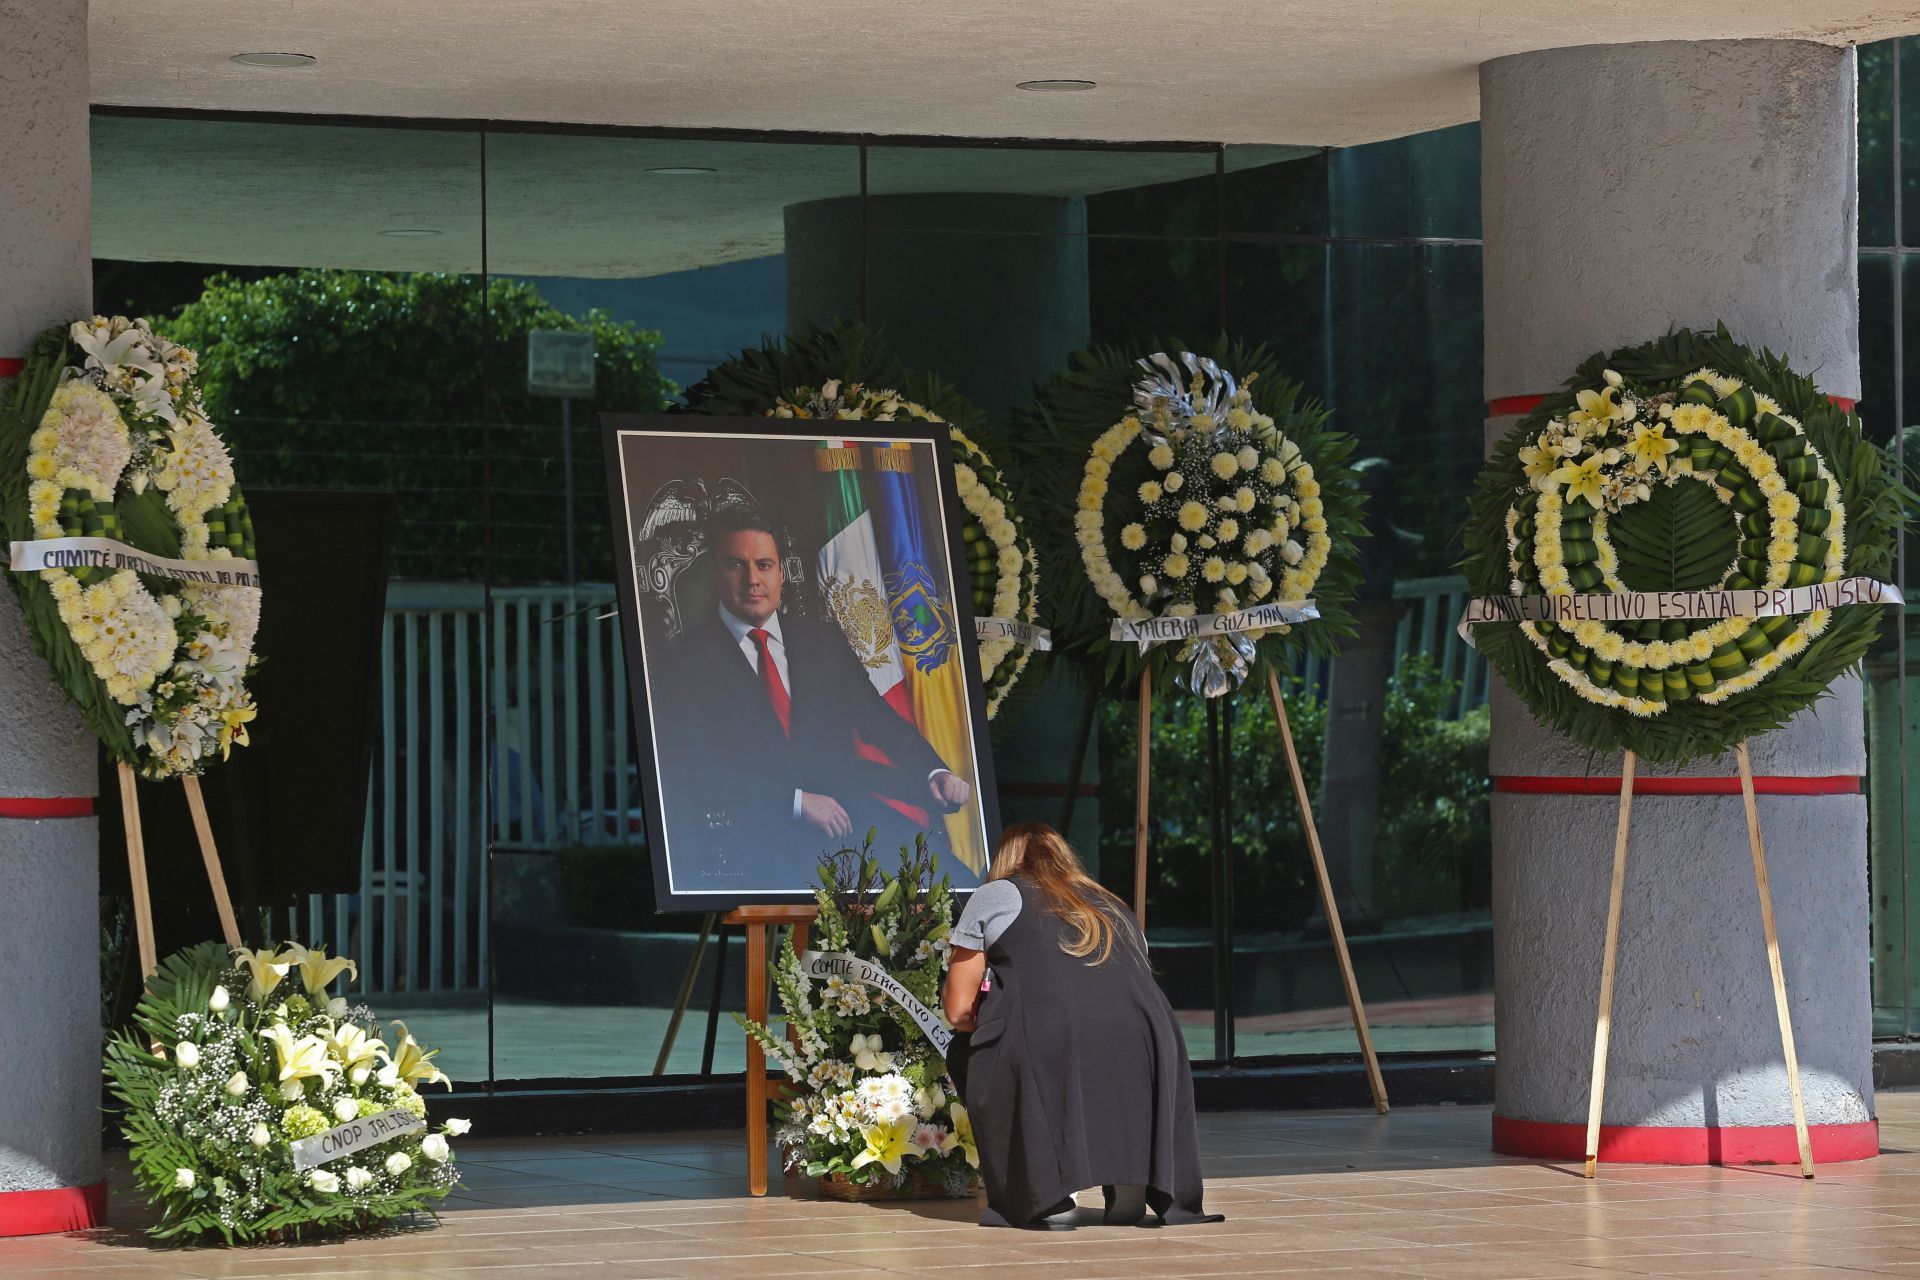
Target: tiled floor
{"points": [[1346, 1194]]}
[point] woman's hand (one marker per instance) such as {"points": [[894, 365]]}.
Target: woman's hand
{"points": [[966, 969]]}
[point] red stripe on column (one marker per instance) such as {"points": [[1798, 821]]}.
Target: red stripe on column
{"points": [[1513, 404], [1845, 784], [10, 366], [1650, 1144], [1844, 404], [46, 807], [40, 1213]]}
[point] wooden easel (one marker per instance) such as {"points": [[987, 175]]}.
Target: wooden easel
{"points": [[1376, 1083], [760, 924], [1603, 1024], [137, 866]]}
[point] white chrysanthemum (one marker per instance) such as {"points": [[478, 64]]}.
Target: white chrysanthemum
{"points": [[92, 442], [198, 475]]}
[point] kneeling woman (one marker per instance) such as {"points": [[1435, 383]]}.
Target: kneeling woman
{"points": [[1077, 1075]]}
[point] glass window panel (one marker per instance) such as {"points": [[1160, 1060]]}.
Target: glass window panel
{"points": [[340, 338], [1876, 141], [1426, 185], [1276, 191], [675, 255], [1133, 192], [1907, 102], [1277, 295], [1878, 359], [1407, 353]]}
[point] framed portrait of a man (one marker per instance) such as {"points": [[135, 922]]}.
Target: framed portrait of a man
{"points": [[800, 650]]}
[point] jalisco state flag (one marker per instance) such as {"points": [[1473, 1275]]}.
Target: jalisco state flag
{"points": [[853, 585], [924, 629]]}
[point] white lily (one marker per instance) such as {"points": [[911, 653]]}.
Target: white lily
{"points": [[301, 1059], [353, 1048], [110, 354], [410, 1062], [317, 968], [264, 969]]}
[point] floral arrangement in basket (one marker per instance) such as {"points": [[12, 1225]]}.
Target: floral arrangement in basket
{"points": [[870, 1105], [841, 375], [1694, 465], [1205, 486], [233, 1061], [103, 436]]}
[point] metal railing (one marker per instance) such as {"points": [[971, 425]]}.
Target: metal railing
{"points": [[553, 687]]}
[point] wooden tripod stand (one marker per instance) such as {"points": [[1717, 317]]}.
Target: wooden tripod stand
{"points": [[1375, 1082], [1596, 1093], [137, 866]]}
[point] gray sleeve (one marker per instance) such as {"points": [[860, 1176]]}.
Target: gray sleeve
{"points": [[989, 911]]}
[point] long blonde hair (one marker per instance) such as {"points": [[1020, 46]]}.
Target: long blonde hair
{"points": [[1038, 852]]}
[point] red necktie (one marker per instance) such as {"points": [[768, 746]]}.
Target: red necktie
{"points": [[776, 692]]}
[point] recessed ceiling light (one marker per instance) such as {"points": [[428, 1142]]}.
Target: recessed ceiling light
{"points": [[411, 231], [1055, 86], [275, 59], [679, 170]]}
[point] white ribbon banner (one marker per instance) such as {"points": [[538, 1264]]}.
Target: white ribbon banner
{"points": [[353, 1137], [1666, 606], [1008, 629], [821, 965], [1160, 630], [105, 553]]}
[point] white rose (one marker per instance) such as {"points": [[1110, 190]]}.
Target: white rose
{"points": [[219, 1000], [260, 1137], [345, 1109], [237, 1084], [337, 1008], [358, 1179], [183, 1179], [324, 1180], [458, 1127], [187, 1054], [359, 1075], [398, 1163], [435, 1148]]}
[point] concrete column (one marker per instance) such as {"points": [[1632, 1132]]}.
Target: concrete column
{"points": [[1627, 189], [50, 1171]]}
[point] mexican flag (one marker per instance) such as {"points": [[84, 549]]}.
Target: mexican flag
{"points": [[853, 584], [852, 581]]}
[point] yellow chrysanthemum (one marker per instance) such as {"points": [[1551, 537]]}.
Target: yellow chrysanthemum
{"points": [[1133, 537], [1214, 569], [1175, 565], [1161, 456], [1150, 491], [1193, 516]]}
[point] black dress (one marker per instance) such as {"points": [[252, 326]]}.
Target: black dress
{"points": [[1077, 1076]]}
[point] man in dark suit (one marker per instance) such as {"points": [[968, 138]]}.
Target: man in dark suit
{"points": [[777, 746]]}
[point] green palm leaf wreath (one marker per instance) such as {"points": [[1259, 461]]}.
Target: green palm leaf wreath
{"points": [[1685, 535]]}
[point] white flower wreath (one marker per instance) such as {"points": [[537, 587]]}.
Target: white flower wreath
{"points": [[131, 417], [1605, 457], [1232, 517]]}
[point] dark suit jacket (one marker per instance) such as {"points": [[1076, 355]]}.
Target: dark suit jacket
{"points": [[730, 772]]}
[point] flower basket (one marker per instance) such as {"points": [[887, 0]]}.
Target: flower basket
{"points": [[918, 1186], [871, 1112]]}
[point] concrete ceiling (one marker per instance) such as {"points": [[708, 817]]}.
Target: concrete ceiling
{"points": [[1316, 72]]}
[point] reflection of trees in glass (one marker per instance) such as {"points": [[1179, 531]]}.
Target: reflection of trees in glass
{"points": [[350, 379], [1434, 841]]}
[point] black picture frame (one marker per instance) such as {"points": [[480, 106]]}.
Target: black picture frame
{"points": [[627, 488]]}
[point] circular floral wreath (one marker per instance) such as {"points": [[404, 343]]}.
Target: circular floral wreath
{"points": [[1211, 495], [796, 381], [103, 434], [1688, 464]]}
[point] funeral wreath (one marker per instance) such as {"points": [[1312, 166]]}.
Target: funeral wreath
{"points": [[257, 1107], [1690, 476]]}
